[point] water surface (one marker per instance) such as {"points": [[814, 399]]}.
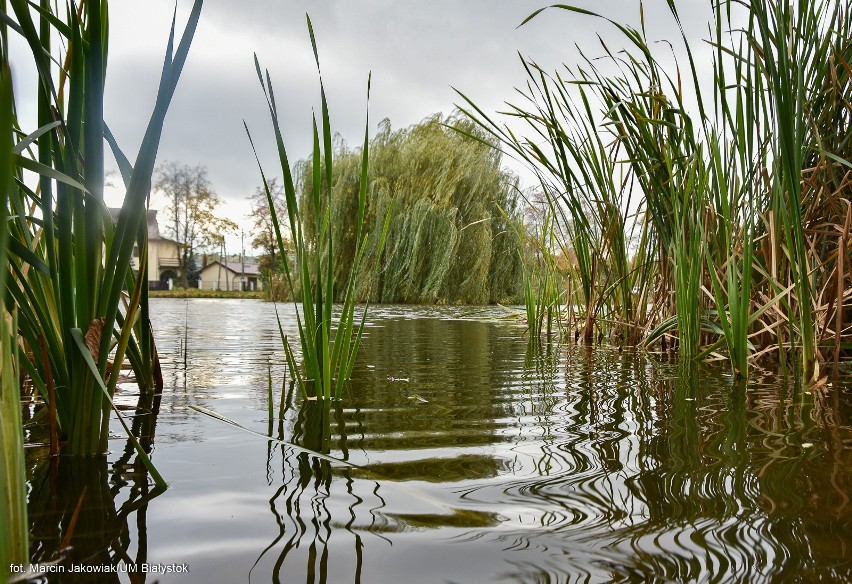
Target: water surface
{"points": [[461, 453]]}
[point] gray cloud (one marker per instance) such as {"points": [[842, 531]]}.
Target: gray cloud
{"points": [[416, 52]]}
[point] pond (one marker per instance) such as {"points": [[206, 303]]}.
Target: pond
{"points": [[461, 453]]}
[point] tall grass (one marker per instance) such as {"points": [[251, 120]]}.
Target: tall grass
{"points": [[329, 346], [737, 201], [14, 526], [543, 295], [588, 194], [14, 543], [68, 265]]}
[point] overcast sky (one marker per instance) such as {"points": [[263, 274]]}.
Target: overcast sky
{"points": [[417, 51]]}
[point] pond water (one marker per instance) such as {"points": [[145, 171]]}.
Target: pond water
{"points": [[461, 453]]}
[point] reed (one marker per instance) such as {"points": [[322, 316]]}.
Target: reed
{"points": [[329, 345], [587, 192], [14, 543], [14, 526], [68, 264], [738, 222], [736, 157], [543, 295]]}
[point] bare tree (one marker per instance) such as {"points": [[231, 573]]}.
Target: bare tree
{"points": [[190, 211], [263, 229]]}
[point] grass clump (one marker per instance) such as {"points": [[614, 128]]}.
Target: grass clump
{"points": [[68, 267], [329, 344]]}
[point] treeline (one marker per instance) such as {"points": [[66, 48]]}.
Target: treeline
{"points": [[455, 213]]}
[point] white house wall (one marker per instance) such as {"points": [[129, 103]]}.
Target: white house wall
{"points": [[214, 277]]}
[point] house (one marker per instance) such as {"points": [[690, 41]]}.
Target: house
{"points": [[225, 275], [163, 254]]}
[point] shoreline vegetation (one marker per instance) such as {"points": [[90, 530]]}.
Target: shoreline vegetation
{"points": [[197, 293], [721, 230]]}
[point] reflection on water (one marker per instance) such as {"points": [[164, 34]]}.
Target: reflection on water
{"points": [[88, 511], [536, 463]]}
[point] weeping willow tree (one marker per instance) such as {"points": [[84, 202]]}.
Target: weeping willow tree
{"points": [[454, 211]]}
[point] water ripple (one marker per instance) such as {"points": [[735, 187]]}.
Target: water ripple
{"points": [[536, 462]]}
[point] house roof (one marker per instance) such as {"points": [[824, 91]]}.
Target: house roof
{"points": [[247, 268], [153, 224]]}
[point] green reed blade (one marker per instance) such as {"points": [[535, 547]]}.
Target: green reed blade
{"points": [[77, 335], [324, 359]]}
